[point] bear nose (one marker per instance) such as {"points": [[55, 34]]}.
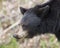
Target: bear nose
{"points": [[16, 36]]}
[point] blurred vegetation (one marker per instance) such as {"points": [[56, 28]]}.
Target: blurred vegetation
{"points": [[52, 42], [0, 4], [12, 44]]}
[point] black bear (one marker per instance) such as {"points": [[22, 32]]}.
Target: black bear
{"points": [[42, 19]]}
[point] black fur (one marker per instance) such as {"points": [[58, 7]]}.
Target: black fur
{"points": [[42, 19]]}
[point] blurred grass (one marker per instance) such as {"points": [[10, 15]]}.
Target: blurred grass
{"points": [[43, 43], [0, 5], [12, 44], [50, 43]]}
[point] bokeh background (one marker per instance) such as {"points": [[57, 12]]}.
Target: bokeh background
{"points": [[9, 15]]}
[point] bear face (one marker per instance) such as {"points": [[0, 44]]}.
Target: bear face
{"points": [[32, 19], [41, 19]]}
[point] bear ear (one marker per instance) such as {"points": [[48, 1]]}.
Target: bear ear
{"points": [[23, 10], [43, 10]]}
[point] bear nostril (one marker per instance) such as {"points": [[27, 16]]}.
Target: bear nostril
{"points": [[16, 36]]}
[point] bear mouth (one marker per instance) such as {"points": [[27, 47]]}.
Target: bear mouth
{"points": [[20, 35]]}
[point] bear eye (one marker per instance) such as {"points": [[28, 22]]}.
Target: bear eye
{"points": [[38, 25], [39, 15]]}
